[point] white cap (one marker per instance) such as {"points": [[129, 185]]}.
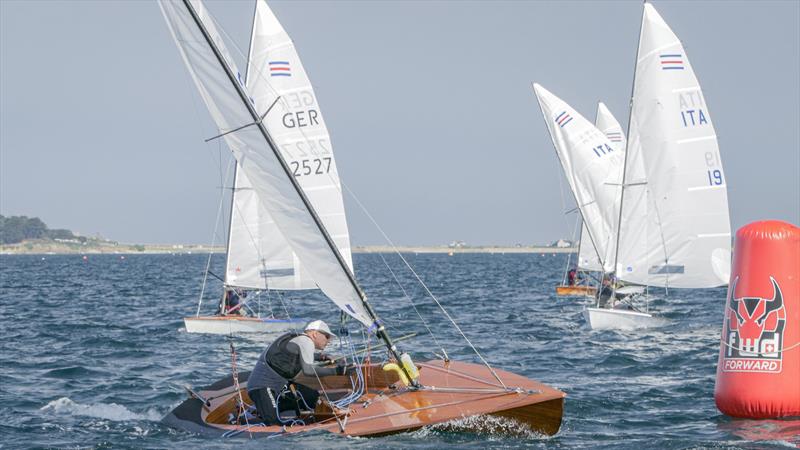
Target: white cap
{"points": [[322, 327]]}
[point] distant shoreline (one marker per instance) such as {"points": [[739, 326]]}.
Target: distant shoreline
{"points": [[59, 248]]}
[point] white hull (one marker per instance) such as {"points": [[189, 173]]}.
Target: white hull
{"points": [[617, 319], [234, 325]]}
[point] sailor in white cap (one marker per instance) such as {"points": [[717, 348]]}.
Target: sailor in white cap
{"points": [[290, 355]]}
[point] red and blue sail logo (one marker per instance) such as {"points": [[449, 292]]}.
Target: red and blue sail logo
{"points": [[672, 61], [279, 69], [614, 136], [563, 119]]}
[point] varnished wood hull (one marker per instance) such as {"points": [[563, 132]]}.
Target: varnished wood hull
{"points": [[576, 291], [452, 392]]}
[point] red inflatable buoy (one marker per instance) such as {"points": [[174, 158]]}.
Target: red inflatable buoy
{"points": [[758, 372]]}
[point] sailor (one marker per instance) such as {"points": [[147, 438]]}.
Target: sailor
{"points": [[232, 303], [606, 290], [271, 385], [572, 277]]}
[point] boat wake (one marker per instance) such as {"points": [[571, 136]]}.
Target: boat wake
{"points": [[110, 411], [484, 425]]}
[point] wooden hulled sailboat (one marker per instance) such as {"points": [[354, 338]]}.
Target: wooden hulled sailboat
{"points": [[394, 397], [673, 229], [258, 257], [448, 392]]}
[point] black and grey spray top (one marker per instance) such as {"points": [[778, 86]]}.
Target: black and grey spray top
{"points": [[290, 355]]}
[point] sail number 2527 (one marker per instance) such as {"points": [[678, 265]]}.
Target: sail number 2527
{"points": [[317, 166]]}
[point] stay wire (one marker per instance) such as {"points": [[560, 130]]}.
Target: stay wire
{"points": [[213, 238], [405, 294], [425, 286]]}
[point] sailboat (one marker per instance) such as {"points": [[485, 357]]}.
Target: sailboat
{"points": [[588, 261], [384, 398], [258, 257], [593, 169], [673, 229]]}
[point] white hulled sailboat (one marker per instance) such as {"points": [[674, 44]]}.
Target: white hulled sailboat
{"points": [[673, 229]]}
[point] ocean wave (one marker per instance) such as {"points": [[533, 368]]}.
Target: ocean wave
{"points": [[107, 411], [484, 425]]}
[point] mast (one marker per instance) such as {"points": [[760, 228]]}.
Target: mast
{"points": [[230, 225], [381, 329], [236, 166], [627, 145]]}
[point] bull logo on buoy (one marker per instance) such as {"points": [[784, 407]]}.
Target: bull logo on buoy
{"points": [[754, 329]]}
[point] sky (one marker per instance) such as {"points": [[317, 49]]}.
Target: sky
{"points": [[429, 105]]}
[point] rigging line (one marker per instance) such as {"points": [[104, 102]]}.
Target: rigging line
{"points": [[213, 239], [235, 373], [663, 244], [424, 322], [422, 283]]}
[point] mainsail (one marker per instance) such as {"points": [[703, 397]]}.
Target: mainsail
{"points": [[276, 79], [675, 228], [608, 125], [222, 89], [592, 166]]}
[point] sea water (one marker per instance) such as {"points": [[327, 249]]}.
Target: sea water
{"points": [[93, 353]]}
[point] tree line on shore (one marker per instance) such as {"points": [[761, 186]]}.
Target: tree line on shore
{"points": [[15, 229]]}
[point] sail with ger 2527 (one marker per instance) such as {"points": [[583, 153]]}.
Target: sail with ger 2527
{"points": [[257, 153], [259, 256]]}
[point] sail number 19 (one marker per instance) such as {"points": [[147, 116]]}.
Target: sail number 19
{"points": [[714, 177], [317, 166]]}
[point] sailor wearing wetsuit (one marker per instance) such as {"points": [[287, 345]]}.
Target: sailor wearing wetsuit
{"points": [[287, 357]]}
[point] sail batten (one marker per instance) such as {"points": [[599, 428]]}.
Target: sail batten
{"points": [[259, 159]]}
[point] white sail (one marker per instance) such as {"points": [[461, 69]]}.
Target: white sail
{"points": [[593, 169], [230, 106], [259, 257], [608, 125], [256, 246], [675, 229]]}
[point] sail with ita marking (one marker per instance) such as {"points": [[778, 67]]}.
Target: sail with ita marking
{"points": [[608, 125], [593, 169], [675, 228], [231, 106], [259, 255]]}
